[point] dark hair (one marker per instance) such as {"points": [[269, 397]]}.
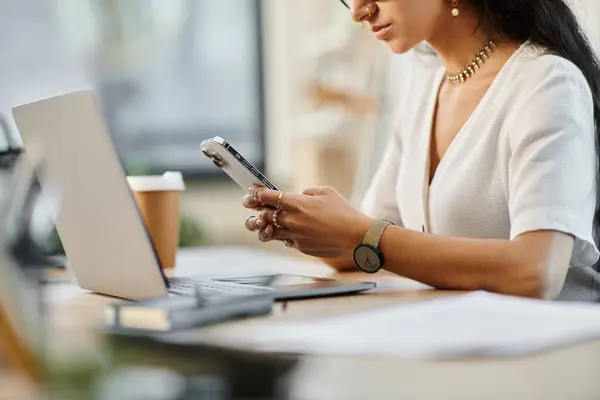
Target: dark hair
{"points": [[553, 25]]}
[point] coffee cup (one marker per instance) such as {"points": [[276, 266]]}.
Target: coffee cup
{"points": [[158, 199]]}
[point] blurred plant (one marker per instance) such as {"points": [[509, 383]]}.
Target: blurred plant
{"points": [[55, 246], [191, 233], [137, 169]]}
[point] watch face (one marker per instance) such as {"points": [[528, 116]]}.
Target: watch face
{"points": [[367, 259]]}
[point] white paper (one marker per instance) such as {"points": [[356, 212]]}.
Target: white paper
{"points": [[474, 324]]}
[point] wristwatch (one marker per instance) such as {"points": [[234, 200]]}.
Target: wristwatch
{"points": [[367, 255]]}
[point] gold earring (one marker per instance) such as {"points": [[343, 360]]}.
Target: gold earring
{"points": [[455, 11], [369, 10]]}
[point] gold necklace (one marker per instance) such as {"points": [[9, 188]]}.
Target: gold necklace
{"points": [[474, 65]]}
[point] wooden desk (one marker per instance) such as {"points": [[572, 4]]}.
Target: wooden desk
{"points": [[568, 373]]}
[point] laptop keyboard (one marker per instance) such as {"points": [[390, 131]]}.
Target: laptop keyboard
{"points": [[210, 288]]}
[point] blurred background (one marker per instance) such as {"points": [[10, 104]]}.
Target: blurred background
{"points": [[303, 92]]}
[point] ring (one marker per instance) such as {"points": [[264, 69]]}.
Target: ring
{"points": [[275, 222], [279, 200], [255, 195], [247, 222], [288, 243]]}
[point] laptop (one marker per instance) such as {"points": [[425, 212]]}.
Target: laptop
{"points": [[104, 237]]}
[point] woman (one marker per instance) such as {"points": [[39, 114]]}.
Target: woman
{"points": [[491, 175]]}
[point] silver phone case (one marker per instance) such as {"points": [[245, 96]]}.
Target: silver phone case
{"points": [[227, 158]]}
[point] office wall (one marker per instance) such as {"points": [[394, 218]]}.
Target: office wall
{"points": [[34, 63], [589, 14], [289, 39]]}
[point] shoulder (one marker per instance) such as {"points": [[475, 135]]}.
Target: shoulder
{"points": [[546, 91], [550, 109], [542, 76]]}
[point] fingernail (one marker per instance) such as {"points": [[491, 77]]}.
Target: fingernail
{"points": [[269, 230], [260, 222]]}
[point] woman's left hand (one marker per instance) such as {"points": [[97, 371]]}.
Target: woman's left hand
{"points": [[319, 222]]}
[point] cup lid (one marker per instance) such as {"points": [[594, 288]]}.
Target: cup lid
{"points": [[171, 180]]}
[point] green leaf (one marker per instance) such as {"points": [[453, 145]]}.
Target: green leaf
{"points": [[190, 232]]}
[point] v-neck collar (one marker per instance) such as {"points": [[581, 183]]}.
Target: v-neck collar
{"points": [[431, 112]]}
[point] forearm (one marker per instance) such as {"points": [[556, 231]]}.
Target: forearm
{"points": [[501, 266], [341, 263]]}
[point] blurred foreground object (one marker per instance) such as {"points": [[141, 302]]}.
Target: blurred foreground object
{"points": [[10, 153], [202, 369], [21, 256], [26, 336], [183, 312]]}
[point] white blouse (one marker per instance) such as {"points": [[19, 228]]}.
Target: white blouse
{"points": [[524, 161]]}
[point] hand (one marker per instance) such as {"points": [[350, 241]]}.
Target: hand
{"points": [[257, 223], [319, 222]]}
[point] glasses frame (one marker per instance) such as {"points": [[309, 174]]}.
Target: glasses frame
{"points": [[345, 3]]}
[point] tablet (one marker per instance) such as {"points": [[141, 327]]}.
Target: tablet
{"points": [[292, 287]]}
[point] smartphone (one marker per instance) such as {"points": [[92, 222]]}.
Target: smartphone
{"points": [[227, 158]]}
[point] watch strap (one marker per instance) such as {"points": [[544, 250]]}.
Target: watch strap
{"points": [[373, 236]]}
